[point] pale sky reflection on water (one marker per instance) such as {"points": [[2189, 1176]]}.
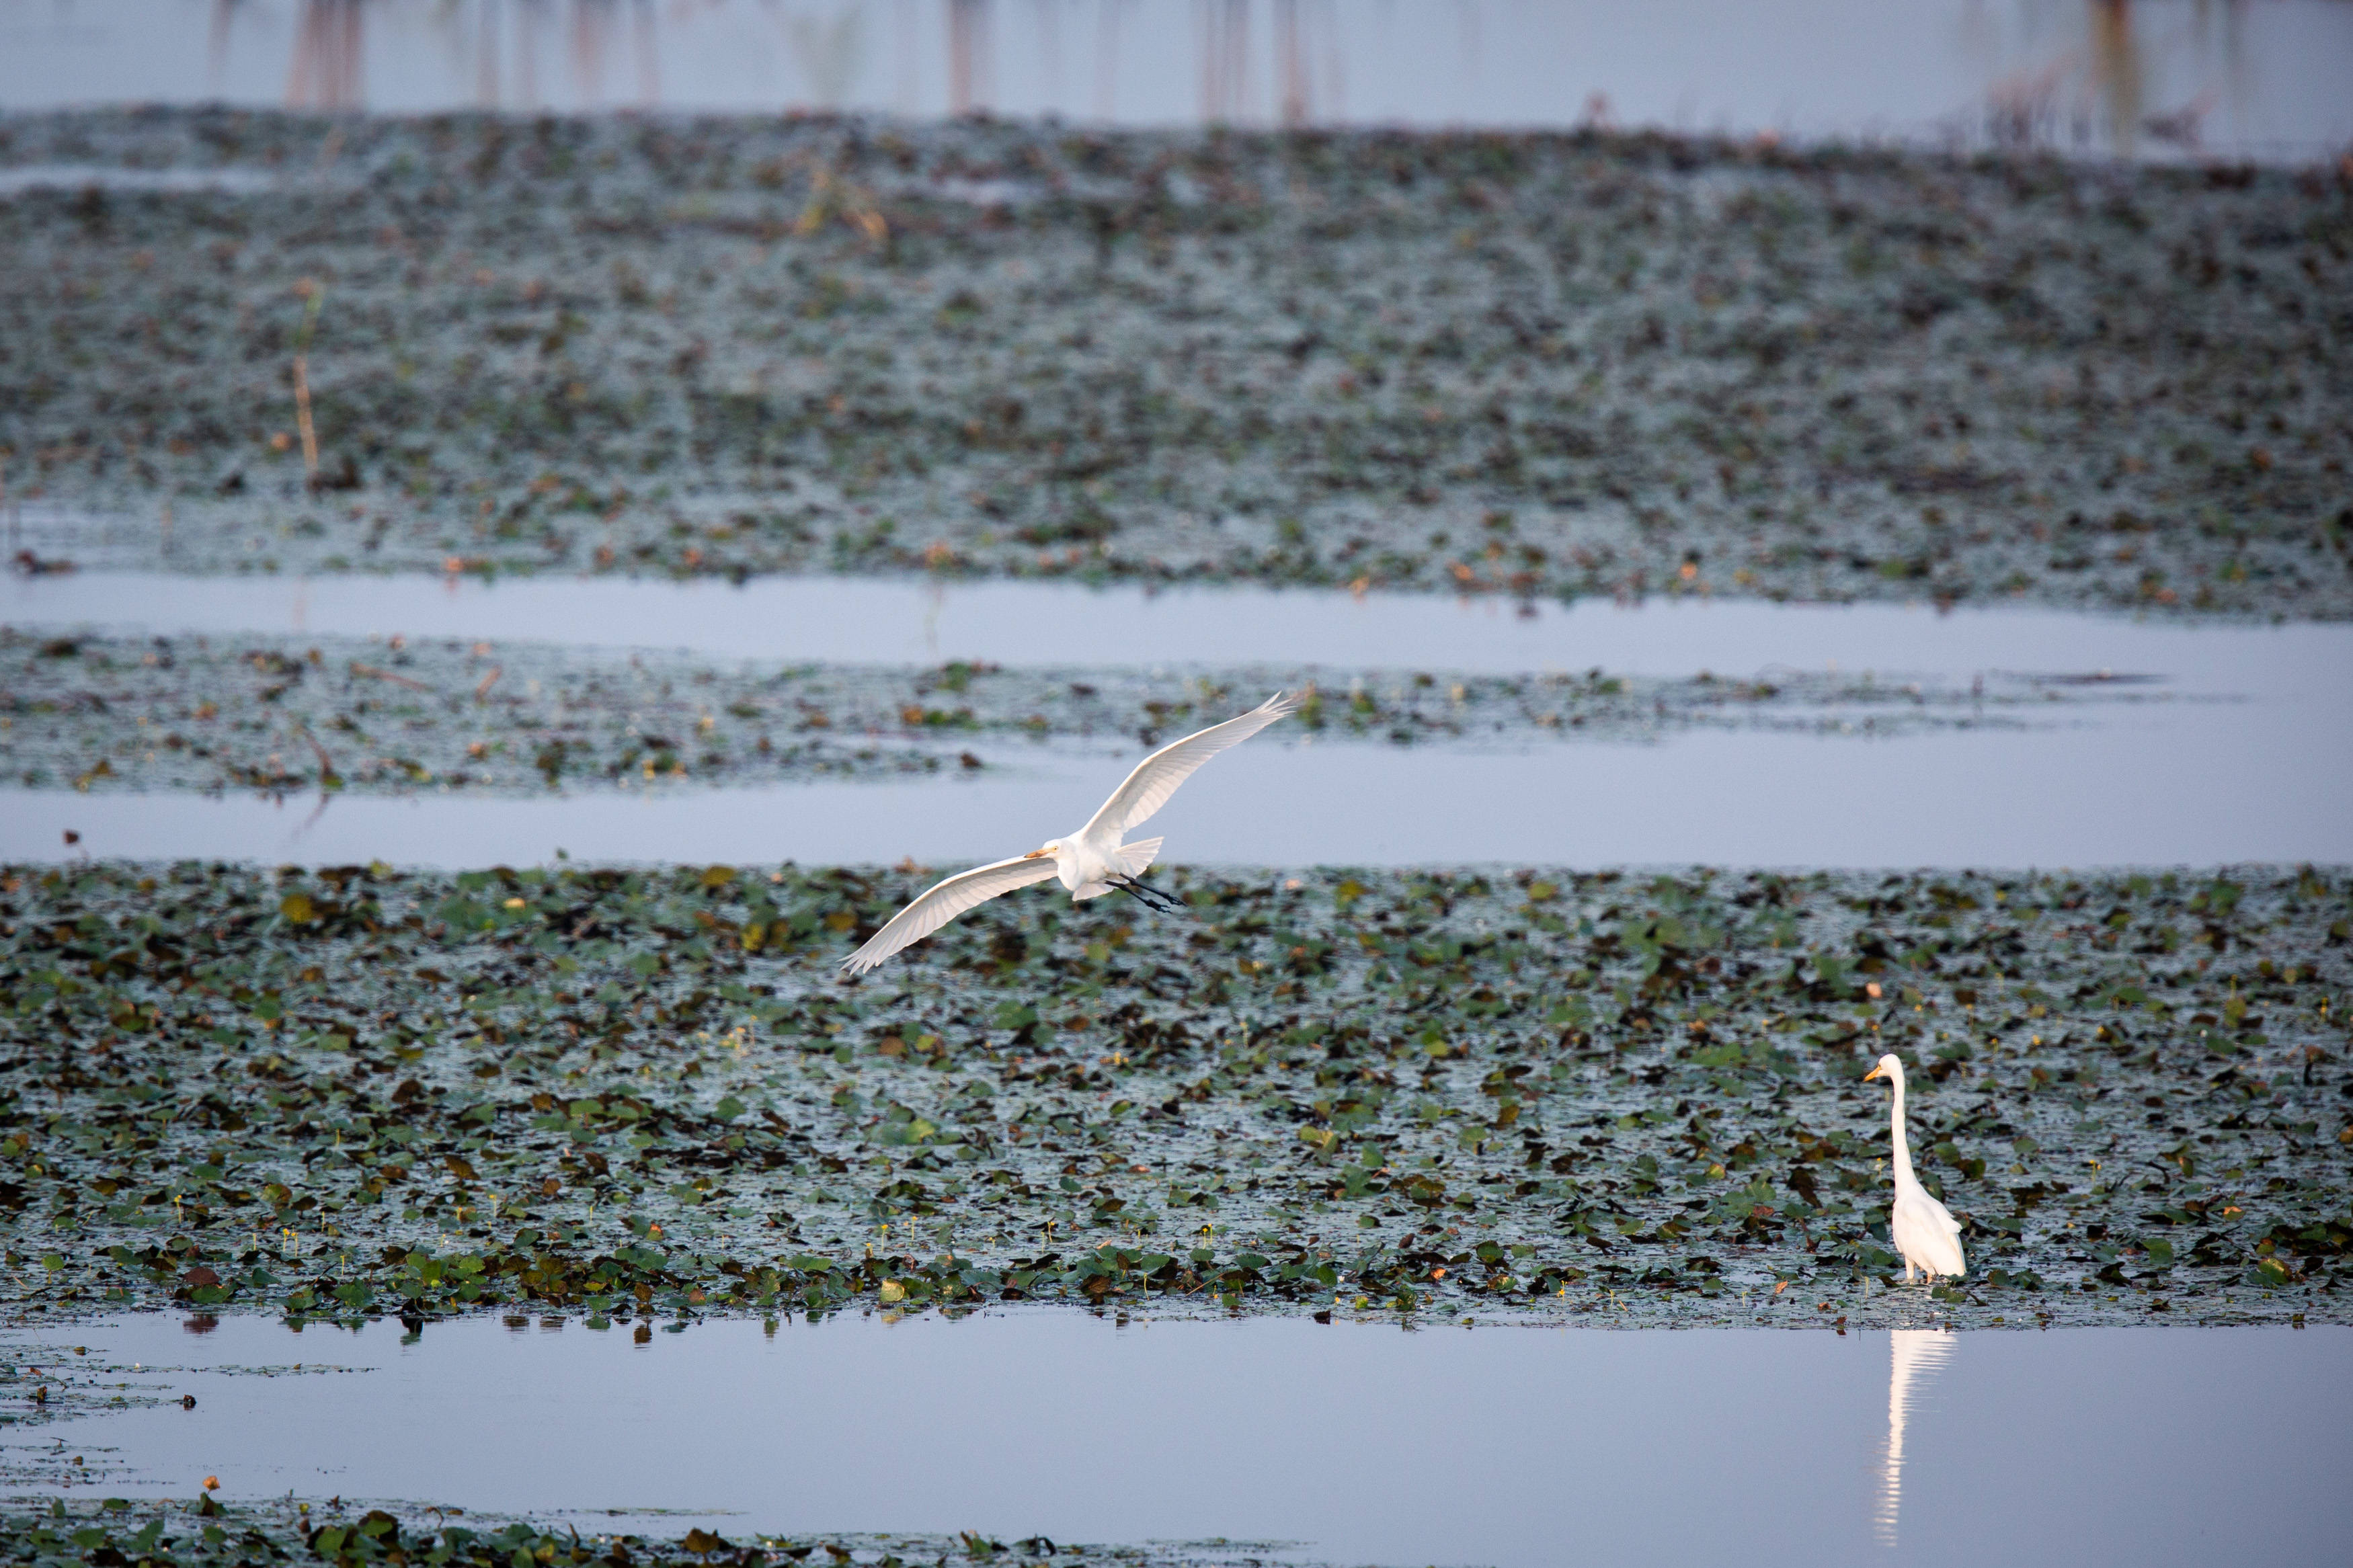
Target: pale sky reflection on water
{"points": [[2197, 789], [2236, 755], [2168, 78], [1502, 1444]]}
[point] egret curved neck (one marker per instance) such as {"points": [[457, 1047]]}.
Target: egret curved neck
{"points": [[1896, 1135]]}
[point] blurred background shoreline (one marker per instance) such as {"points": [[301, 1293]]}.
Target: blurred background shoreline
{"points": [[2256, 80]]}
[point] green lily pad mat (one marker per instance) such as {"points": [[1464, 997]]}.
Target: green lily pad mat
{"points": [[1591, 1095], [1532, 364], [203, 1534]]}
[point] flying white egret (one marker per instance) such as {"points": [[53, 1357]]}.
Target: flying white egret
{"points": [[1091, 862], [1926, 1233]]}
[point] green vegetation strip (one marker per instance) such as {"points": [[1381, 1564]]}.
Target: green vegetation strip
{"points": [[280, 713], [643, 1092], [118, 1533], [1521, 365]]}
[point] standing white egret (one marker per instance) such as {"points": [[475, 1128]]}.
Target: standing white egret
{"points": [[1091, 862], [1926, 1233]]}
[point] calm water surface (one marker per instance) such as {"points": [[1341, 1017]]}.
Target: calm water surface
{"points": [[1360, 1442], [2204, 786], [866, 620], [2136, 78], [2235, 749]]}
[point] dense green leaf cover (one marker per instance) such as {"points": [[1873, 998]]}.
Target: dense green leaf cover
{"points": [[1530, 364], [642, 1093], [118, 1533]]}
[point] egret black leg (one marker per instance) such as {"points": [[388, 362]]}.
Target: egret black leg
{"points": [[1158, 897], [1170, 901], [1150, 897], [1142, 895]]}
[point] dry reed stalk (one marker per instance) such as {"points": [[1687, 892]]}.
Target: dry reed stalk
{"points": [[488, 681], [313, 297], [373, 673], [327, 772], [831, 196], [302, 416]]}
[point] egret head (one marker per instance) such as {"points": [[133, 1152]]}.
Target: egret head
{"points": [[1887, 1067], [1053, 846]]}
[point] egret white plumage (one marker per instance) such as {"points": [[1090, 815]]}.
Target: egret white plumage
{"points": [[1091, 862], [1926, 1233]]}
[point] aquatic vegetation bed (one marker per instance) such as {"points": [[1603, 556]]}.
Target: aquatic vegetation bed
{"points": [[642, 1093], [205, 1534], [289, 713], [1531, 365]]}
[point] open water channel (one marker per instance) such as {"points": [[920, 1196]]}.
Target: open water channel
{"points": [[2211, 743], [1348, 1442]]}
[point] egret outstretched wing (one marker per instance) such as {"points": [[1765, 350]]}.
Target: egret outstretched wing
{"points": [[1155, 778], [1091, 863], [945, 901]]}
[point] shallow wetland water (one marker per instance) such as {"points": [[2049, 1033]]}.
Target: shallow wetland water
{"points": [[1722, 732], [2164, 80], [1348, 1442], [2129, 795], [425, 1080], [911, 621]]}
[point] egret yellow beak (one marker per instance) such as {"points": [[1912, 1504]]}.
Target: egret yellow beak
{"points": [[1033, 854], [1874, 1072]]}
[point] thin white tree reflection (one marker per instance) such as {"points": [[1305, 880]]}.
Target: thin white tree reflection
{"points": [[972, 59], [329, 52], [828, 47], [2173, 77], [1914, 1357]]}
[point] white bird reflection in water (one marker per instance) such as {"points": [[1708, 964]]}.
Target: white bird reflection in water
{"points": [[1915, 1356]]}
